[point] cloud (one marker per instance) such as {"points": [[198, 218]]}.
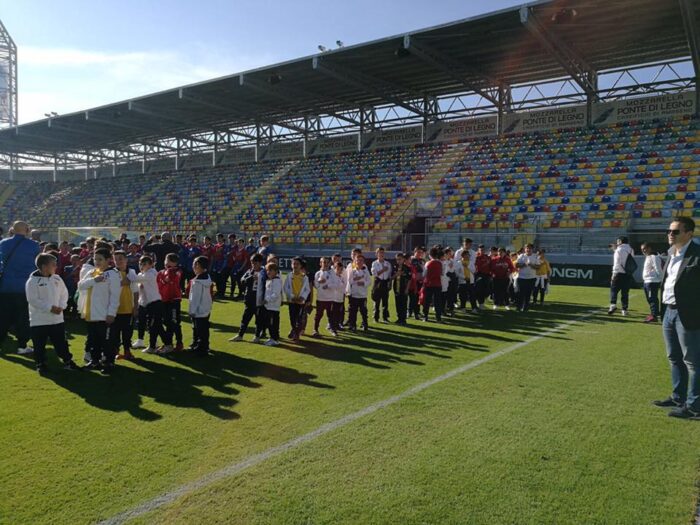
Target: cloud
{"points": [[67, 80]]}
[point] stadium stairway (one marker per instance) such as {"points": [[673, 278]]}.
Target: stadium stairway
{"points": [[6, 193], [425, 196]]}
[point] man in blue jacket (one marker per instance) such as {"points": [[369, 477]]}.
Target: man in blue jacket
{"points": [[17, 255]]}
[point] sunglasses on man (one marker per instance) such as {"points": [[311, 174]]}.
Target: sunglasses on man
{"points": [[673, 232]]}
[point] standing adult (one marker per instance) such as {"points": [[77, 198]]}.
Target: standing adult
{"points": [[17, 262], [264, 249], [161, 249], [621, 281], [680, 299], [527, 265], [466, 246]]}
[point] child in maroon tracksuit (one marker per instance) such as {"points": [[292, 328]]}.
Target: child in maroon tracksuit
{"points": [[432, 284], [501, 268], [169, 286]]}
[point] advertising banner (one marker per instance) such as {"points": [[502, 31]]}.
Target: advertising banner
{"points": [[455, 130], [644, 108], [281, 151], [392, 138], [332, 145], [545, 119]]}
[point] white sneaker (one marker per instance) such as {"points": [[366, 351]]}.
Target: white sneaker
{"points": [[495, 307], [149, 350], [271, 342], [165, 349], [624, 313], [25, 351], [507, 307], [475, 310], [237, 338], [138, 344], [256, 339], [87, 357]]}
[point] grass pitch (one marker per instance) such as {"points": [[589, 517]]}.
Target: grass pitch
{"points": [[560, 430]]}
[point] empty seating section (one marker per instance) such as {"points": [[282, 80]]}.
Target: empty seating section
{"points": [[193, 203], [322, 199], [585, 178], [186, 201], [29, 198]]}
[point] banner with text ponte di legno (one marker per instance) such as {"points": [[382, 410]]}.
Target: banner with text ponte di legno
{"points": [[454, 130], [545, 119], [644, 108]]}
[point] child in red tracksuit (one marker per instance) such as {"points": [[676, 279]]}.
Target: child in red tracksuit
{"points": [[501, 268], [432, 284], [482, 278], [169, 285]]}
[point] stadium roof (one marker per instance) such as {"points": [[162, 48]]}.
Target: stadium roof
{"points": [[539, 41]]}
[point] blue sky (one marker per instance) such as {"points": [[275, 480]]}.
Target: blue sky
{"points": [[77, 54]]}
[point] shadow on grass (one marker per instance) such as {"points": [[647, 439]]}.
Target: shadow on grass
{"points": [[180, 385], [175, 380]]}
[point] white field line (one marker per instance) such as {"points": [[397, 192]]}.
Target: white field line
{"points": [[251, 461]]}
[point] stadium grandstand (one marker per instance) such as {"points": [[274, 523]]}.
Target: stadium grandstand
{"points": [[517, 125]]}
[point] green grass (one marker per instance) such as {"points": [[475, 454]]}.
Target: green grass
{"points": [[559, 431]]}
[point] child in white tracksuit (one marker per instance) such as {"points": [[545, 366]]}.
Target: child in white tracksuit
{"points": [[358, 283], [100, 289], [326, 283], [652, 275], [200, 304], [338, 306], [47, 296], [272, 302]]}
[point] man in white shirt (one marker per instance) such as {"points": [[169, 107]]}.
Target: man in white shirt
{"points": [[681, 319], [527, 264], [620, 282], [381, 271], [466, 246]]}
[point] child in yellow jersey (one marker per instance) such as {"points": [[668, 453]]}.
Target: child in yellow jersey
{"points": [[296, 289], [465, 275], [123, 327], [544, 272]]}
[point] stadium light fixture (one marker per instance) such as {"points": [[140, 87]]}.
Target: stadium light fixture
{"points": [[47, 115], [54, 114], [339, 43], [322, 49]]}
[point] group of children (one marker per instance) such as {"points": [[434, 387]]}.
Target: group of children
{"points": [[445, 282], [100, 282], [112, 298]]}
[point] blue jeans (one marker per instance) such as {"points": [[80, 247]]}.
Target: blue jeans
{"points": [[683, 351], [651, 290]]}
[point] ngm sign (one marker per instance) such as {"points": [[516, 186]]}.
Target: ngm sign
{"points": [[581, 274], [572, 273]]}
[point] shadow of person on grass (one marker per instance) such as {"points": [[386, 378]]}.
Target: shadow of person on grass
{"points": [[124, 390], [240, 369]]}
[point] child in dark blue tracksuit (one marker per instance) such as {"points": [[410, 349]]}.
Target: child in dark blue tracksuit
{"points": [[251, 284]]}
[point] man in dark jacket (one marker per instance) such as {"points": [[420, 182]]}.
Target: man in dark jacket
{"points": [[681, 319], [17, 255], [161, 249]]}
